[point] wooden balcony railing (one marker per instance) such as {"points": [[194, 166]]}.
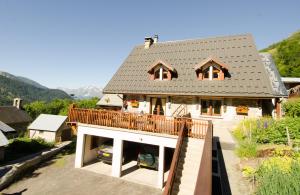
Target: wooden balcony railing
{"points": [[204, 180], [196, 128], [176, 156]]}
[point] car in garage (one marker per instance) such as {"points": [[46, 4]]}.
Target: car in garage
{"points": [[105, 152], [148, 157]]}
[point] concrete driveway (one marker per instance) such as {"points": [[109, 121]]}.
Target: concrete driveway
{"points": [[59, 176]]}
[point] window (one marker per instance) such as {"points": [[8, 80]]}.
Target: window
{"points": [[216, 73], [161, 73], [157, 74], [164, 74], [206, 74], [211, 107]]}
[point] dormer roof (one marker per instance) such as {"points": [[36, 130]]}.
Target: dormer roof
{"points": [[160, 62], [211, 59]]}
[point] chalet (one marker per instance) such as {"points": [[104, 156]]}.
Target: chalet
{"points": [[15, 117], [172, 91], [222, 77]]}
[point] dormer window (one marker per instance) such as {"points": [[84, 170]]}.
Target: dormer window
{"points": [[161, 71], [157, 74], [216, 74], [206, 73], [211, 69]]}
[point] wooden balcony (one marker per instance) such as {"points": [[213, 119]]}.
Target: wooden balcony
{"points": [[143, 122]]}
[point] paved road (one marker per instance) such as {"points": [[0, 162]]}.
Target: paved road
{"points": [[59, 176]]}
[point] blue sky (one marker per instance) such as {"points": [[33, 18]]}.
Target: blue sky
{"points": [[70, 43]]}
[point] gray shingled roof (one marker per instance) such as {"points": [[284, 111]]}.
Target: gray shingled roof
{"points": [[47, 122], [5, 128], [249, 77], [111, 100], [3, 140], [275, 78]]}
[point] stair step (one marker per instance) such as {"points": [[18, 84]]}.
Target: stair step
{"points": [[185, 192]]}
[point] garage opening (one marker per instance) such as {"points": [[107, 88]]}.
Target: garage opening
{"points": [[98, 154], [142, 160], [139, 161]]}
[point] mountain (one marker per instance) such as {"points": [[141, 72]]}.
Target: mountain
{"points": [[84, 92], [22, 79], [286, 54], [12, 86]]}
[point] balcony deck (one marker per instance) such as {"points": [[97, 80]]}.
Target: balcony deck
{"points": [[143, 122]]}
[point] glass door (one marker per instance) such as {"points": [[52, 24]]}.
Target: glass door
{"points": [[158, 106], [211, 107]]}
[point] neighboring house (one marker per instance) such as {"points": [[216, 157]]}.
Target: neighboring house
{"points": [[52, 128], [15, 117], [7, 130], [292, 84], [3, 143], [111, 102], [221, 77]]}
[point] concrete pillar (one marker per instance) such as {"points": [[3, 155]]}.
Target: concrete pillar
{"points": [[79, 149], [117, 157], [161, 164]]}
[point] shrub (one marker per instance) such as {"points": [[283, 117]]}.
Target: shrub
{"points": [[249, 128], [248, 171], [247, 149], [267, 130], [276, 133], [292, 107], [26, 145], [279, 176]]}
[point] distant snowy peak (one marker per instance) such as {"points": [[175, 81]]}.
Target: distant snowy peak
{"points": [[84, 92]]}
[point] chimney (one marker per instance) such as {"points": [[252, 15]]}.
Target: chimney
{"points": [[148, 42], [155, 38], [17, 103]]}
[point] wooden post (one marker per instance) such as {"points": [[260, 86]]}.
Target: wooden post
{"points": [[250, 133], [288, 137]]}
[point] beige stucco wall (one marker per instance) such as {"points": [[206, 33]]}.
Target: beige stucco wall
{"points": [[89, 154], [49, 136], [194, 106]]}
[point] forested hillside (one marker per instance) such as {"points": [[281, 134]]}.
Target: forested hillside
{"points": [[286, 54], [11, 88]]}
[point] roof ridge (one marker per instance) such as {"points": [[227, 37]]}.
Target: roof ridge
{"points": [[193, 39]]}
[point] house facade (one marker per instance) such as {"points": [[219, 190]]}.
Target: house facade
{"points": [[223, 78]]}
